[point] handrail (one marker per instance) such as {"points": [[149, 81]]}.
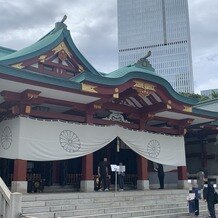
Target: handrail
{"points": [[5, 191], [10, 203]]}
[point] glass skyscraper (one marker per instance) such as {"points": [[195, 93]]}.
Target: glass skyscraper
{"points": [[161, 26]]}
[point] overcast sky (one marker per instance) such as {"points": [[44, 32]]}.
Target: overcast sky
{"points": [[93, 26]]}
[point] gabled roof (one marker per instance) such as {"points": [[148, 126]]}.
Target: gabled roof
{"points": [[127, 73], [48, 42], [133, 88], [141, 70]]}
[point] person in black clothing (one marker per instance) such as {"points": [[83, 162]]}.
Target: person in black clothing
{"points": [[160, 173], [208, 195], [121, 175], [103, 175]]}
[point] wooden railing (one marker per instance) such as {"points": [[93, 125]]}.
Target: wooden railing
{"points": [[74, 179], [130, 179], [33, 176], [10, 203]]}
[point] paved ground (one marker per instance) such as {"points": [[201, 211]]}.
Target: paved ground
{"points": [[201, 215]]}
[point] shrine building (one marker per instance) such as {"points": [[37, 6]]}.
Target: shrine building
{"points": [[59, 117]]}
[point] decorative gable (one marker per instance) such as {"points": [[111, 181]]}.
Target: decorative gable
{"points": [[58, 61]]}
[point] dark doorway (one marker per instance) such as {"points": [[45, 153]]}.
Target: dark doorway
{"points": [[40, 170], [117, 152], [6, 170]]}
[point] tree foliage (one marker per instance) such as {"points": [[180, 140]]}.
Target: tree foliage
{"points": [[195, 96], [214, 94]]}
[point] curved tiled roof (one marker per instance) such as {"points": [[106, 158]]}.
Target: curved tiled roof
{"points": [[125, 74], [46, 43], [34, 49], [60, 33]]}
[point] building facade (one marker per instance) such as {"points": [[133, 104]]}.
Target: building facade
{"points": [[161, 26], [59, 117], [209, 92], [202, 144]]}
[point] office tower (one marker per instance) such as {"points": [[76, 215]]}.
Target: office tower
{"points": [[161, 26]]}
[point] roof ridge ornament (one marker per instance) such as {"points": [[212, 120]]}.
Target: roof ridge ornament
{"points": [[64, 18], [144, 62], [61, 24]]}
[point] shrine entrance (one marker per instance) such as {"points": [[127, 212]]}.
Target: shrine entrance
{"points": [[117, 152], [54, 173]]}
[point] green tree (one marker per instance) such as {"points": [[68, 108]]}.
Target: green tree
{"points": [[195, 96], [214, 94]]}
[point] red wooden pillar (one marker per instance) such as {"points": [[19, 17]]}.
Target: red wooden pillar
{"points": [[87, 167], [20, 170], [19, 183], [142, 165], [182, 173], [56, 172], [142, 168], [182, 177], [87, 182]]}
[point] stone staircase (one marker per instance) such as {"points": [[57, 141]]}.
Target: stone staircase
{"points": [[150, 203]]}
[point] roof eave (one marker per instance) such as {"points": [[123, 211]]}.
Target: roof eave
{"points": [[139, 75], [78, 53], [9, 61], [205, 112], [34, 77]]}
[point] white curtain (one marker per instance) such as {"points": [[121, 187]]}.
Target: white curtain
{"points": [[40, 140]]}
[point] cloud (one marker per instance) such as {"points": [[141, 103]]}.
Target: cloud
{"points": [[206, 67], [210, 84], [203, 19], [92, 25], [25, 14]]}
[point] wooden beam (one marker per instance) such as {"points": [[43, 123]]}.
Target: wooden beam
{"points": [[180, 123], [43, 71], [28, 95], [10, 96], [162, 130], [54, 115], [34, 98], [136, 126], [155, 108], [110, 122], [199, 155]]}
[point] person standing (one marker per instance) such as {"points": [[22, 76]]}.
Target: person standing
{"points": [[121, 174], [103, 174], [208, 195], [200, 179], [161, 175]]}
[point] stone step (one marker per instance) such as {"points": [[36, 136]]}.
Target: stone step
{"points": [[203, 213], [126, 214], [120, 201], [60, 189], [128, 195], [105, 204], [99, 197], [107, 207], [116, 212]]}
